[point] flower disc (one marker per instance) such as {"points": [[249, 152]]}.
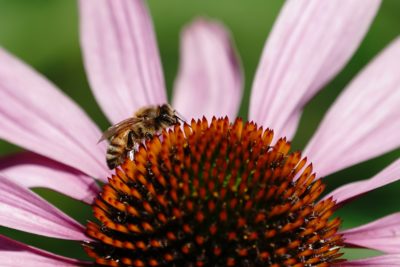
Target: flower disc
{"points": [[214, 195]]}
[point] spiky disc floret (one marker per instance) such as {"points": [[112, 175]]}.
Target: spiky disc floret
{"points": [[214, 195]]}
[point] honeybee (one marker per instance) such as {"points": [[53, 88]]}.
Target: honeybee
{"points": [[145, 123]]}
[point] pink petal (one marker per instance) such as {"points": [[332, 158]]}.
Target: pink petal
{"points": [[309, 44], [23, 210], [31, 170], [16, 254], [121, 57], [384, 260], [210, 80], [382, 234], [34, 114], [349, 191], [364, 121]]}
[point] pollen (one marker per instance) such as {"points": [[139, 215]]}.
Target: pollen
{"points": [[214, 194]]}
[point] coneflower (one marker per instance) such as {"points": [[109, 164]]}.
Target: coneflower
{"points": [[215, 194]]}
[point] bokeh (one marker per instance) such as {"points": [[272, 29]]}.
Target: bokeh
{"points": [[44, 33]]}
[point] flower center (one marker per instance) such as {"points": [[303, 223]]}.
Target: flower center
{"points": [[214, 195]]}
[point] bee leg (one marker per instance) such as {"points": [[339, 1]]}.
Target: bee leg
{"points": [[130, 154], [148, 136], [131, 141], [131, 146]]}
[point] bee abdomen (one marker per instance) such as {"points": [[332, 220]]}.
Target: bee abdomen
{"points": [[113, 159], [114, 150], [113, 162], [115, 153]]}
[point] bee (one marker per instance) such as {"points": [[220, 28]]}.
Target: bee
{"points": [[144, 124]]}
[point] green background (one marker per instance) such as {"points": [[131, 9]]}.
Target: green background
{"points": [[44, 33]]}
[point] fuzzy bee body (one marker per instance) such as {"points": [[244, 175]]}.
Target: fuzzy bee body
{"points": [[117, 149], [145, 123]]}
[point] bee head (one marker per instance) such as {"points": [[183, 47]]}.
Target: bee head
{"points": [[168, 116]]}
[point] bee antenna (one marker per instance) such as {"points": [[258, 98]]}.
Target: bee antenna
{"points": [[182, 120], [179, 116]]}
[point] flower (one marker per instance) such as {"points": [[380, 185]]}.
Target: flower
{"points": [[311, 41]]}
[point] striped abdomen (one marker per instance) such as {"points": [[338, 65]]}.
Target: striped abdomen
{"points": [[117, 149]]}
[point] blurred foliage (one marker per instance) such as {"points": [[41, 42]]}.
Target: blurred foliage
{"points": [[44, 33]]}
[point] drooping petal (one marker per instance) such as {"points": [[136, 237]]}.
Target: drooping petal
{"points": [[382, 234], [349, 191], [23, 210], [121, 57], [210, 81], [364, 121], [384, 260], [34, 114], [309, 44], [16, 254], [32, 170]]}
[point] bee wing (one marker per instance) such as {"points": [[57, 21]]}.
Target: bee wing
{"points": [[120, 126]]}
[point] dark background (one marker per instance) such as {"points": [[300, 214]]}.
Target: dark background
{"points": [[44, 33]]}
